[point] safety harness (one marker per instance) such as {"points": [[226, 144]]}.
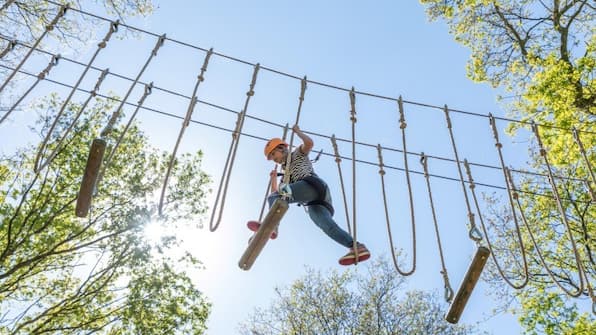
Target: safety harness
{"points": [[319, 185]]}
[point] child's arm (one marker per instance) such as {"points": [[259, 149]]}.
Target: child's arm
{"points": [[307, 142], [273, 175]]}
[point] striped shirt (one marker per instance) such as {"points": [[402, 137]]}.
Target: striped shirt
{"points": [[300, 166]]}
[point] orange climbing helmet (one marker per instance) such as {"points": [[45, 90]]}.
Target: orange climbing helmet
{"points": [[272, 144]]}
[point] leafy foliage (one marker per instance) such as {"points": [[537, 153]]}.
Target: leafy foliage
{"points": [[67, 275], [544, 54], [348, 303]]}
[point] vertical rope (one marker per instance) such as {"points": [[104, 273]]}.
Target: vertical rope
{"points": [[353, 120], [473, 233], [41, 76], [402, 126], [386, 207], [499, 146], [555, 192], [518, 233], [185, 123], [269, 183], [341, 181], [225, 178], [112, 121], [536, 247], [49, 28], [289, 156], [448, 289], [40, 165]]}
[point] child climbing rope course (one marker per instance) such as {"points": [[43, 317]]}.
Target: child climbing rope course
{"points": [[309, 190]]}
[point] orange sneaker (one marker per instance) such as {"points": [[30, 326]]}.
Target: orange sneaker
{"points": [[255, 225], [350, 257]]}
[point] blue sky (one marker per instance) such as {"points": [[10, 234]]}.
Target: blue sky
{"points": [[386, 48]]}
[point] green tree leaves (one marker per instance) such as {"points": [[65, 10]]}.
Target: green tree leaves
{"points": [[543, 53], [349, 303], [63, 274]]}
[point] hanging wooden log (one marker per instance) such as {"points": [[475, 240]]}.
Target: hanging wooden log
{"points": [[269, 224], [467, 285], [98, 148]]}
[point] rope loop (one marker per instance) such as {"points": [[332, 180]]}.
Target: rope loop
{"points": [[554, 277], [227, 171], [448, 289], [411, 203], [474, 233], [560, 208]]}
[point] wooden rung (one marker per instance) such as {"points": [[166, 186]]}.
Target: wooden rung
{"points": [[98, 148], [467, 285], [270, 222]]}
